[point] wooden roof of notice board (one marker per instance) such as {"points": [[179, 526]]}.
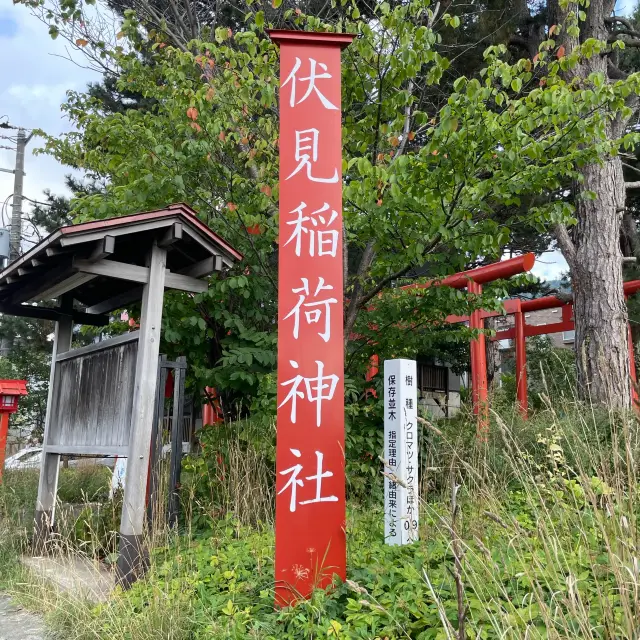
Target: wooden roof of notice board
{"points": [[102, 264]]}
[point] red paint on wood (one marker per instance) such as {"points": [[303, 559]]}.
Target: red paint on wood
{"points": [[544, 329], [482, 275], [310, 480], [4, 429], [479, 367], [552, 302], [521, 364], [510, 307], [168, 385], [212, 409], [372, 372]]}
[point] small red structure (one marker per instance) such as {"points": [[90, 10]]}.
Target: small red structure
{"points": [[10, 392], [472, 280], [212, 410], [522, 331]]}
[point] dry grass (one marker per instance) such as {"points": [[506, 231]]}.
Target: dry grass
{"points": [[545, 538]]}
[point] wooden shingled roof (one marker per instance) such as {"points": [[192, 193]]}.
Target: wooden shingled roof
{"points": [[101, 264]]}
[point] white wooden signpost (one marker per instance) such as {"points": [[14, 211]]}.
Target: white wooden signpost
{"points": [[400, 452]]}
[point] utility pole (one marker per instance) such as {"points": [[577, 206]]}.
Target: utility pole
{"points": [[18, 180]]}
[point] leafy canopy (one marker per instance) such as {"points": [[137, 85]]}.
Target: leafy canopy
{"points": [[434, 180]]}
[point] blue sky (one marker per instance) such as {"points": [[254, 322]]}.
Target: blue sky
{"points": [[34, 84], [32, 87], [625, 7]]}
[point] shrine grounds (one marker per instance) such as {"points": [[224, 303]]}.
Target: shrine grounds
{"points": [[532, 535]]}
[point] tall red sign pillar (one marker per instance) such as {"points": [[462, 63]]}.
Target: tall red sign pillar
{"points": [[310, 480]]}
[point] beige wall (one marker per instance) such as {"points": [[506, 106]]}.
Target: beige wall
{"points": [[435, 403], [537, 318]]}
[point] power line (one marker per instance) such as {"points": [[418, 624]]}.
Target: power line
{"points": [[3, 210]]}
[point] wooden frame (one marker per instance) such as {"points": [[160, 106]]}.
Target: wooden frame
{"points": [[99, 346], [96, 265]]}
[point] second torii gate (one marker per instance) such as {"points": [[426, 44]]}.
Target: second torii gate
{"points": [[521, 331], [472, 280]]}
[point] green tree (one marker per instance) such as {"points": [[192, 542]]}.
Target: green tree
{"points": [[29, 359], [428, 187], [588, 37]]}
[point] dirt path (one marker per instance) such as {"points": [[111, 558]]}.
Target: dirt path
{"points": [[17, 623]]}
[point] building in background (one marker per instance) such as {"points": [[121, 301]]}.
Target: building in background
{"points": [[438, 389], [561, 340]]}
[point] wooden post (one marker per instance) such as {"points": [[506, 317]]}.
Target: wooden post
{"points": [[176, 441], [48, 483], [521, 365], [132, 559], [153, 483]]}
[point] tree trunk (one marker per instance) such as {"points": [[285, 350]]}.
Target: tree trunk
{"points": [[594, 255], [600, 309]]}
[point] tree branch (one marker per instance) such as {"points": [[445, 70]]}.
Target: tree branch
{"points": [[625, 22], [628, 43], [354, 303], [407, 124], [566, 244], [614, 72], [632, 185]]}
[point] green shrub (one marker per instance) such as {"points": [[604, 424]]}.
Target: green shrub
{"points": [[90, 483], [86, 519], [516, 582], [233, 473], [546, 538], [544, 531], [551, 372]]}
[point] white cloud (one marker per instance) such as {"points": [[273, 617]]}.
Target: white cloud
{"points": [[32, 96], [550, 266]]}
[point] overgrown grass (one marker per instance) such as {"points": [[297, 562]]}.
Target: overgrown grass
{"points": [[533, 535], [83, 515]]}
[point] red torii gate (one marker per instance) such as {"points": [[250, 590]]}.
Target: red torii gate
{"points": [[472, 280], [522, 331]]}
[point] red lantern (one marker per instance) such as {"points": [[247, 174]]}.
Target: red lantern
{"points": [[10, 391]]}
